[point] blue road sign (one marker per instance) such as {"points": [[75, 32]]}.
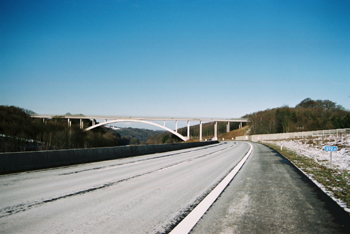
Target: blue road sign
{"points": [[330, 148]]}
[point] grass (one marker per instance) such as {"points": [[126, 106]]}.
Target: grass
{"points": [[334, 180], [233, 134]]}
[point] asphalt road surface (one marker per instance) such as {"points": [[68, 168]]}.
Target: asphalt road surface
{"points": [[145, 194], [269, 195], [153, 193]]}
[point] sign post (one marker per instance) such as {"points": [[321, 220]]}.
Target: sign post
{"points": [[330, 149]]}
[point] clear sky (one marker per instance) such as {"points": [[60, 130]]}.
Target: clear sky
{"points": [[193, 58]]}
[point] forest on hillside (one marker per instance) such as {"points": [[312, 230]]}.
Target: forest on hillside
{"points": [[20, 132], [138, 135], [308, 115]]}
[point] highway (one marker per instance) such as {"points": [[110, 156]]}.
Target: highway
{"points": [[153, 193], [145, 194], [269, 195]]}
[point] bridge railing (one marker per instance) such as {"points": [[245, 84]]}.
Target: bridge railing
{"points": [[149, 120], [292, 135]]}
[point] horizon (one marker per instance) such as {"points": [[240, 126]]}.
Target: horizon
{"points": [[167, 117], [222, 59]]}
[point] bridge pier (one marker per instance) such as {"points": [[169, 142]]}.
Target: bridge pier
{"points": [[200, 131], [188, 129], [216, 130], [148, 121]]}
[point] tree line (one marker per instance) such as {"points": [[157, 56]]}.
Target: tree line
{"points": [[20, 132], [308, 115]]}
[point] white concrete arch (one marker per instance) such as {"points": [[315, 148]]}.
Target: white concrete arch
{"points": [[138, 121]]}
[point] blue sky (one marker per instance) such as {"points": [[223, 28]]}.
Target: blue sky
{"points": [[172, 58]]}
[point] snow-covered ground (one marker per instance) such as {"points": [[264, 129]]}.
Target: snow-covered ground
{"points": [[314, 148]]}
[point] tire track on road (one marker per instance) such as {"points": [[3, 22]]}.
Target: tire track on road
{"points": [[7, 211]]}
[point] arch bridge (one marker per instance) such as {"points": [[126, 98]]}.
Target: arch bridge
{"points": [[149, 121]]}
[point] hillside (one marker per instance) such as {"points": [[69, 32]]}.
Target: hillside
{"points": [[331, 175], [235, 133], [308, 115], [17, 127], [137, 135], [20, 132]]}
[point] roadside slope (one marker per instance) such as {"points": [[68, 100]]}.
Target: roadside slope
{"points": [[314, 162], [269, 195]]}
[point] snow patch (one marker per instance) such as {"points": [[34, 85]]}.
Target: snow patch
{"points": [[314, 148]]}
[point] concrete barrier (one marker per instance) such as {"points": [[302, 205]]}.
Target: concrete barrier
{"points": [[292, 135], [26, 161]]}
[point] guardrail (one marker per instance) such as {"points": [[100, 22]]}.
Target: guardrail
{"points": [[291, 135]]}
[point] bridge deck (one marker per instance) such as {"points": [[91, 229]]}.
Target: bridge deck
{"points": [[143, 118]]}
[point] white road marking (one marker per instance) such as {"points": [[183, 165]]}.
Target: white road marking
{"points": [[186, 225]]}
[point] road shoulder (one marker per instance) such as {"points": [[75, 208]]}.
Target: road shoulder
{"points": [[270, 195]]}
